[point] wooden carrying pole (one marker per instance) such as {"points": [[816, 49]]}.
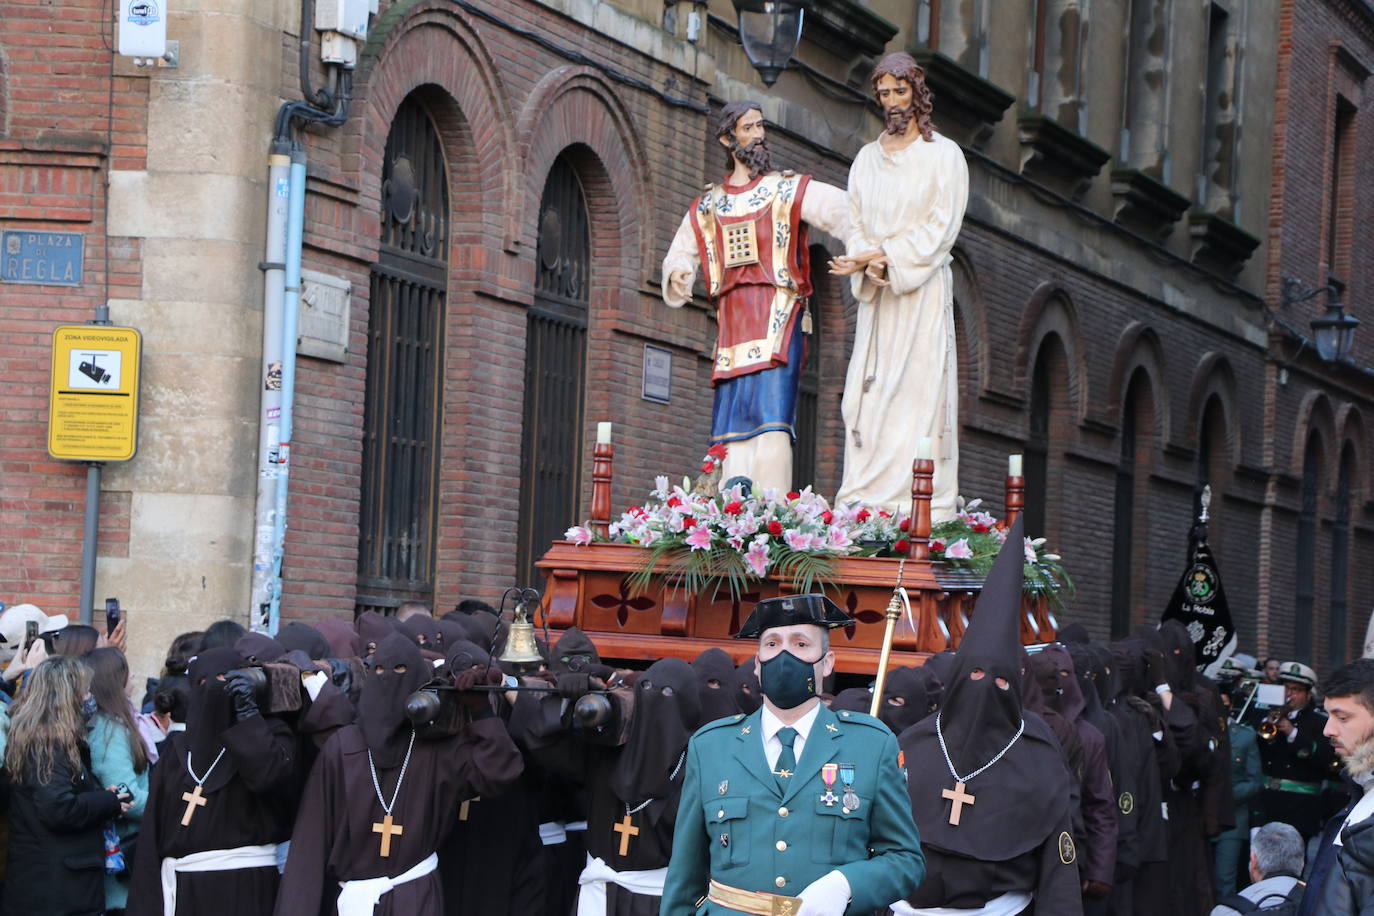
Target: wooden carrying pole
{"points": [[918, 533]]}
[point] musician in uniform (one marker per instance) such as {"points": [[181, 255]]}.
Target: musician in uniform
{"points": [[1296, 758], [793, 810]]}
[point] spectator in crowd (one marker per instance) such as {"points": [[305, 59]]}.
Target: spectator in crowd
{"points": [[222, 634], [14, 628], [58, 810], [1276, 859], [179, 656], [119, 756]]}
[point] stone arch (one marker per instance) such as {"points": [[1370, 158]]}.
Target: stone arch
{"points": [[1214, 377], [970, 323], [1350, 431], [1051, 311], [1315, 414], [574, 107], [1139, 349], [428, 43]]}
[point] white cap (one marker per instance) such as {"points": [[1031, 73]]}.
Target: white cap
{"points": [[12, 627]]}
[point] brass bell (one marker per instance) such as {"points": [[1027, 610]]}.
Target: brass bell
{"points": [[520, 647]]}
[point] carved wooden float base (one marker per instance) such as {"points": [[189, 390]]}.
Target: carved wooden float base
{"points": [[586, 587]]}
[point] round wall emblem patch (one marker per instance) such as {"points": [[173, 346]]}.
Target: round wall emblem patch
{"points": [[1126, 802], [1067, 853]]}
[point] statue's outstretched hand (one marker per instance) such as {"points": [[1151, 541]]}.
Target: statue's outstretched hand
{"points": [[680, 282], [876, 270]]}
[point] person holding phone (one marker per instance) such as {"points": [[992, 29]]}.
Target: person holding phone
{"points": [[58, 808]]}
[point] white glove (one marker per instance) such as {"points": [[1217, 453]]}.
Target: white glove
{"points": [[828, 895]]}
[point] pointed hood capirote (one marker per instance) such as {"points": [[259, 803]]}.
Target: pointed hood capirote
{"points": [[979, 717], [1024, 795], [395, 671], [209, 708], [667, 709]]}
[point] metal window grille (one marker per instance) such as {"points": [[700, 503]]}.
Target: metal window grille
{"points": [[398, 516], [555, 359], [1306, 551]]}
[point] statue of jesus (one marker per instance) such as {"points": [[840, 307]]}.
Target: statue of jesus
{"points": [[750, 232], [907, 192]]}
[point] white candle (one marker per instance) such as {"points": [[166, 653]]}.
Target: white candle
{"points": [[1013, 465], [924, 448], [603, 432]]}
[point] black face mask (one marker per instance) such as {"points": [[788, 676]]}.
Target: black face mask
{"points": [[716, 675], [381, 707], [209, 710], [787, 680]]}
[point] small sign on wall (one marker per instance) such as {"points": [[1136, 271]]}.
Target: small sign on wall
{"points": [[42, 258], [658, 374], [324, 310]]}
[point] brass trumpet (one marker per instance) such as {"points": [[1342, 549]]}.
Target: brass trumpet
{"points": [[1269, 728]]}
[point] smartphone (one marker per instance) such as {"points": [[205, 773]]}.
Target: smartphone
{"points": [[30, 633], [123, 794], [112, 615]]}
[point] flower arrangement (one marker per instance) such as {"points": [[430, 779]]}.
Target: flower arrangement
{"points": [[726, 540], [973, 538]]}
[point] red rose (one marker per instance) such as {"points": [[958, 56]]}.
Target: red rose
{"points": [[674, 502], [902, 546], [734, 508], [980, 528], [884, 514], [688, 523], [862, 516], [827, 516], [775, 528], [794, 495], [937, 546], [904, 525]]}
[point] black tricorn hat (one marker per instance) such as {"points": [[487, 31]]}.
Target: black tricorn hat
{"points": [[790, 610]]}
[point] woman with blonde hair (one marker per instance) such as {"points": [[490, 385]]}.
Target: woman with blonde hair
{"points": [[57, 808]]}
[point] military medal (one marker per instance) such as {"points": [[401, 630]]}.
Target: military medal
{"points": [[828, 773], [851, 798]]}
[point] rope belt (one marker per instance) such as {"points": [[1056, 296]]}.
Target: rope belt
{"points": [[756, 903]]}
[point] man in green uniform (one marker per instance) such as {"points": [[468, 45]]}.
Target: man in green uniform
{"points": [[793, 810]]}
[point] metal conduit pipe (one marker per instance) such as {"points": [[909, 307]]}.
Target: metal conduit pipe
{"points": [[273, 267], [295, 240]]}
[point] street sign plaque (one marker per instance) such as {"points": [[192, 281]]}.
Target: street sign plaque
{"points": [[93, 397]]}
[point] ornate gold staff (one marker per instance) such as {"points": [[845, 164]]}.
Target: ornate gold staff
{"points": [[893, 613]]}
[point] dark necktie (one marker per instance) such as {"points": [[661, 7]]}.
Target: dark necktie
{"points": [[787, 761]]}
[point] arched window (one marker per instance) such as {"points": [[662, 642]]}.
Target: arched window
{"points": [[555, 359], [1305, 550], [1132, 473], [401, 414], [1340, 559], [1046, 424], [804, 450]]}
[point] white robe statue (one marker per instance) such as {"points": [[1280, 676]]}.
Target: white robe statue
{"points": [[902, 383]]}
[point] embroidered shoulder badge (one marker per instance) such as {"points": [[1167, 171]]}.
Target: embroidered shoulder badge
{"points": [[1126, 802], [1067, 854]]}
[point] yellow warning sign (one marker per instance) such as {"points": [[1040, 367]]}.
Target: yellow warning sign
{"points": [[93, 400]]}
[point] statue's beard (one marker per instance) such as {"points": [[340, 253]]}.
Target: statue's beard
{"points": [[899, 119], [753, 157]]}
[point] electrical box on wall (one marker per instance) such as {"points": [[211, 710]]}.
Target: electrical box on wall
{"points": [[347, 17], [143, 28]]}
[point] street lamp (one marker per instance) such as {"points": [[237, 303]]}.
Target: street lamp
{"points": [[1334, 331], [770, 31]]}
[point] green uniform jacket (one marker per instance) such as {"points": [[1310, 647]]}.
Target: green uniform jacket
{"points": [[735, 825]]}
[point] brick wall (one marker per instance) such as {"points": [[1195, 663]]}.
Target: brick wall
{"points": [[56, 103]]}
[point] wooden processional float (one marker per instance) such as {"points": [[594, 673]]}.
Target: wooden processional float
{"points": [[587, 587]]}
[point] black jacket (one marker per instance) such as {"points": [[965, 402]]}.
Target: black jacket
{"points": [[57, 849], [1349, 888]]}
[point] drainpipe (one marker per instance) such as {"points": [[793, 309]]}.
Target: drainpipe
{"points": [[269, 416], [295, 234]]}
